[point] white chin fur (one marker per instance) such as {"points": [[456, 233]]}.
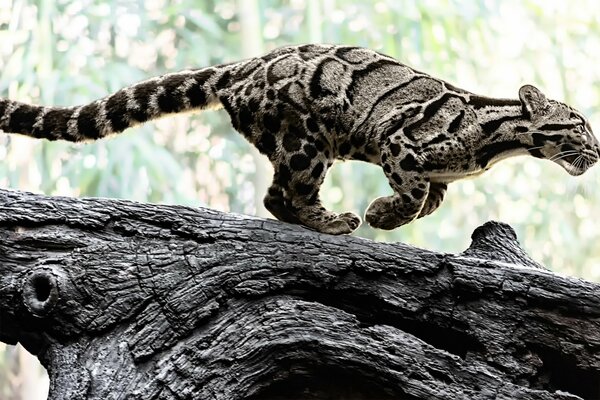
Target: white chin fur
{"points": [[572, 170]]}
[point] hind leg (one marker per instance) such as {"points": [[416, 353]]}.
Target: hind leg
{"points": [[275, 202], [301, 199]]}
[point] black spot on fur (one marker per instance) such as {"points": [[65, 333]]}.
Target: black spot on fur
{"points": [[271, 94], [169, 101], [406, 199], [433, 165], [319, 145], [357, 140], [428, 113], [86, 122], [409, 163], [310, 48], [55, 123], [313, 198], [359, 156], [224, 81], [539, 139], [370, 150], [521, 129], [246, 117], [395, 149], [490, 151], [227, 106], [296, 131], [303, 189], [344, 149], [493, 125], [196, 95], [417, 193], [328, 121], [482, 101], [397, 178], [267, 144], [312, 125], [317, 170], [141, 95], [271, 122], [291, 142], [310, 150], [316, 89], [556, 127], [299, 162], [23, 118], [455, 124], [536, 153], [438, 139], [285, 176], [3, 106], [116, 111]]}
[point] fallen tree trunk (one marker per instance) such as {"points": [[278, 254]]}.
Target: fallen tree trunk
{"points": [[137, 301]]}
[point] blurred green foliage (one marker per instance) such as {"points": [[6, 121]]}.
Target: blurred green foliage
{"points": [[67, 52]]}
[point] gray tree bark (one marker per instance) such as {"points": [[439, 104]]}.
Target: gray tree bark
{"points": [[121, 300]]}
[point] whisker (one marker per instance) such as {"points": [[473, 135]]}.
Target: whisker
{"points": [[563, 155], [577, 161], [534, 148]]}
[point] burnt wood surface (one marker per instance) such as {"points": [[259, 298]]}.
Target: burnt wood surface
{"points": [[122, 300]]}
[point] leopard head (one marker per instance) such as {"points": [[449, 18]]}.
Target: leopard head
{"points": [[558, 132]]}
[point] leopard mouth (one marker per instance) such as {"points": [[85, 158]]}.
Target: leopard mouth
{"points": [[577, 164], [571, 158]]}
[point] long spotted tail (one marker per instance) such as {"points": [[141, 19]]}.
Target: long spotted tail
{"points": [[144, 101]]}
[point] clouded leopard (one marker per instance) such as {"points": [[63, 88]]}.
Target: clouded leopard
{"points": [[306, 106]]}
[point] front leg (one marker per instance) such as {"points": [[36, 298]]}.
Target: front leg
{"points": [[435, 197], [411, 189]]}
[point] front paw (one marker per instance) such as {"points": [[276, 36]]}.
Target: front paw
{"points": [[342, 224], [384, 213], [351, 219]]}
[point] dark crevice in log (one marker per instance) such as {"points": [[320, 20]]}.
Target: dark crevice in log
{"points": [[300, 384], [371, 310], [559, 371]]}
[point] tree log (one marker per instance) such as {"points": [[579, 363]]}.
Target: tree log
{"points": [[126, 300]]}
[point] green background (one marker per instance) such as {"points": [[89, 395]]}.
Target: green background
{"points": [[57, 52]]}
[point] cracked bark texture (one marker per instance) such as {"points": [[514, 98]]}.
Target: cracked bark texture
{"points": [[121, 300]]}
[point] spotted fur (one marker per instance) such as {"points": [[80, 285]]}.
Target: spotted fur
{"points": [[306, 106]]}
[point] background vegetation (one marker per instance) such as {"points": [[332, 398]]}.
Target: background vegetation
{"points": [[67, 52]]}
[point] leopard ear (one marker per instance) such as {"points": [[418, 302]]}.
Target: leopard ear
{"points": [[534, 102]]}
